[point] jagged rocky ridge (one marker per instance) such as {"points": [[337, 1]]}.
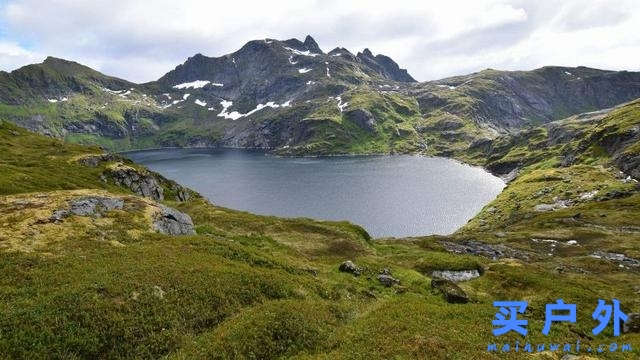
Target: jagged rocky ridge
{"points": [[292, 98]]}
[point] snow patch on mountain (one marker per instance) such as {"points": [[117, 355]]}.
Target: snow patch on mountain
{"points": [[303, 53], [341, 105], [304, 70], [185, 96], [291, 60], [112, 92], [200, 102], [234, 115], [197, 84]]}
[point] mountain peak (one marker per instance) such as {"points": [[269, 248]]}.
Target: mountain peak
{"points": [[367, 52], [312, 45]]}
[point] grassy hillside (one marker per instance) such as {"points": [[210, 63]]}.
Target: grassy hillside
{"points": [[255, 287]]}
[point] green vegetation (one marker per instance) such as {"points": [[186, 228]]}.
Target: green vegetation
{"points": [[249, 286]]}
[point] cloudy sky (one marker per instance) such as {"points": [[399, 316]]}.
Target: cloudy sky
{"points": [[141, 40]]}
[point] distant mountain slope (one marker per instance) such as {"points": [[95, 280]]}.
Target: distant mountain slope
{"points": [[53, 79], [292, 98], [512, 99]]}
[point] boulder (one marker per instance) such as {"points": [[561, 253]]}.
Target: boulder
{"points": [[172, 222], [349, 267], [452, 293], [632, 324]]}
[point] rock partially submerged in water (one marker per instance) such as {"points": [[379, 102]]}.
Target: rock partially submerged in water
{"points": [[452, 293], [455, 275]]}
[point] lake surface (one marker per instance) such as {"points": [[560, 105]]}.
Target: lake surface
{"points": [[387, 195]]}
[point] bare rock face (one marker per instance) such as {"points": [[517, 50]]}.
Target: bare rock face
{"points": [[141, 183], [363, 118], [172, 222]]}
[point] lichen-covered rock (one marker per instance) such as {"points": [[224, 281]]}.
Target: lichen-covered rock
{"points": [[349, 267], [87, 206], [140, 182], [95, 205], [172, 222], [452, 293]]}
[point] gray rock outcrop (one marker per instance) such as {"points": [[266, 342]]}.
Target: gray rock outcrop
{"points": [[172, 222], [88, 206], [139, 182]]}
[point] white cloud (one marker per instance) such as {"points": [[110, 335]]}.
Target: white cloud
{"points": [[141, 40], [13, 56]]}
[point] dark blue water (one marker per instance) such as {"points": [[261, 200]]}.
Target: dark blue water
{"points": [[387, 195]]}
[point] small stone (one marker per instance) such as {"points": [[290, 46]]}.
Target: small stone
{"points": [[349, 267], [135, 295], [58, 216], [632, 324], [388, 280], [452, 293], [158, 292]]}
